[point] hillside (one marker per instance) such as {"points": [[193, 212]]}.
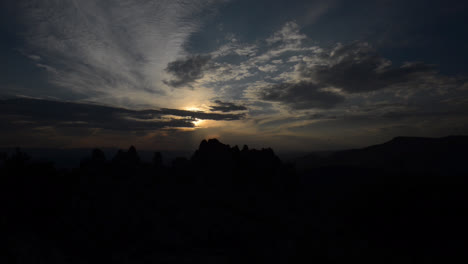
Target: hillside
{"points": [[446, 155]]}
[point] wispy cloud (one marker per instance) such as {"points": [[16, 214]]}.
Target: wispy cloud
{"points": [[288, 34], [109, 49]]}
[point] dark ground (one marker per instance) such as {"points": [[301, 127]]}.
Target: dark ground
{"points": [[404, 201]]}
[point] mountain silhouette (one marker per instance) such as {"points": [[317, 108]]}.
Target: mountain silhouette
{"points": [[444, 155]]}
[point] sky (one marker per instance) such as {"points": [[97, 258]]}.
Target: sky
{"points": [[288, 74]]}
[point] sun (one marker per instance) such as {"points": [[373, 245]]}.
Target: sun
{"points": [[198, 122]]}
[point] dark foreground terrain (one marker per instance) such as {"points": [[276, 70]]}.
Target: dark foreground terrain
{"points": [[404, 201]]}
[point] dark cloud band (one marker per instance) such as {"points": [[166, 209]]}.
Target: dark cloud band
{"points": [[302, 95], [24, 112], [357, 68], [226, 107]]}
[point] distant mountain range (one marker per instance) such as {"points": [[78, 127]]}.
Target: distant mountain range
{"points": [[446, 155], [411, 154]]}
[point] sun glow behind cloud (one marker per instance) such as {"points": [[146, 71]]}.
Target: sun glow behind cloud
{"points": [[198, 122]]}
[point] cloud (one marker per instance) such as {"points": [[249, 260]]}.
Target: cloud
{"points": [[268, 68], [48, 68], [289, 33], [226, 107], [120, 52], [227, 72], [39, 113], [33, 113], [235, 48], [34, 57], [289, 69], [202, 115], [301, 95], [346, 73], [109, 49], [188, 70], [358, 68], [317, 9]]}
